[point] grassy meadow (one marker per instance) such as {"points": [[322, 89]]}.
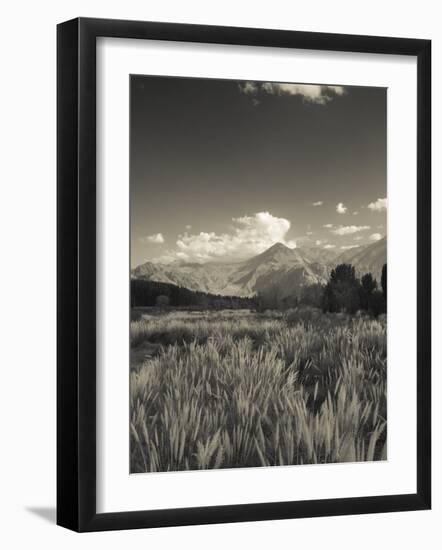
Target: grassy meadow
{"points": [[235, 388]]}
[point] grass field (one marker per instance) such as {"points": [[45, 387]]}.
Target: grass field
{"points": [[239, 389]]}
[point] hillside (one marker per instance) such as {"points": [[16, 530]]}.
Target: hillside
{"points": [[367, 259], [288, 269]]}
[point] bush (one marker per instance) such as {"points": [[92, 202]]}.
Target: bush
{"points": [[303, 315]]}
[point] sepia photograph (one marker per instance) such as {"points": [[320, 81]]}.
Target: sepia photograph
{"points": [[258, 274]]}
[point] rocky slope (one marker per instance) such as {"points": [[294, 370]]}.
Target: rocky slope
{"points": [[367, 259], [288, 269]]}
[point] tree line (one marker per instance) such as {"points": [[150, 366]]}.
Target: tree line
{"points": [[144, 293], [343, 292]]}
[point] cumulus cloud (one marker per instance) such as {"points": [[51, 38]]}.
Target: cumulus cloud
{"points": [[188, 227], [375, 237], [379, 205], [156, 238], [318, 203], [349, 246], [349, 229], [250, 88], [327, 246], [341, 208], [249, 235], [355, 213], [311, 93], [328, 225]]}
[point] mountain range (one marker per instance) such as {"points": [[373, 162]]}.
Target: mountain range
{"points": [[288, 269]]}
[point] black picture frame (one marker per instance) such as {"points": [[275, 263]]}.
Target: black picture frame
{"points": [[76, 274]]}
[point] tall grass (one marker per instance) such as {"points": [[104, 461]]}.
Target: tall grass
{"points": [[258, 392]]}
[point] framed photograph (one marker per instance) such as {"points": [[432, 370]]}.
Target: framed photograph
{"points": [[243, 274]]}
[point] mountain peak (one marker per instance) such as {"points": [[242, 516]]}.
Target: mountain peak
{"points": [[276, 248], [277, 252]]}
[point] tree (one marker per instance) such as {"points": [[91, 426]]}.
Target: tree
{"points": [[343, 273], [376, 304], [368, 286], [329, 302], [384, 281], [368, 283], [342, 292]]}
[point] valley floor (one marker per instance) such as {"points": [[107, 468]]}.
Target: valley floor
{"points": [[236, 388]]}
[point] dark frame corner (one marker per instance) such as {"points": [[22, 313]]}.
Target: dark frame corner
{"points": [[76, 286]]}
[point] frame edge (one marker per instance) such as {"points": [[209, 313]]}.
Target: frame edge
{"points": [[423, 359], [67, 275]]}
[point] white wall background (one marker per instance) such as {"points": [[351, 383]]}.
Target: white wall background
{"points": [[27, 274]]}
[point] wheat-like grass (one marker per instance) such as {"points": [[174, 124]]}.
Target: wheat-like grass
{"points": [[258, 392]]}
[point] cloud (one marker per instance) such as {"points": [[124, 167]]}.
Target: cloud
{"points": [[156, 238], [375, 237], [378, 206], [327, 246], [358, 238], [349, 246], [249, 88], [188, 227], [328, 225], [355, 213], [309, 233], [318, 242], [349, 229], [340, 208], [310, 93], [249, 235], [317, 203]]}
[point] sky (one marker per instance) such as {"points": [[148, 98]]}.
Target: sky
{"points": [[222, 169]]}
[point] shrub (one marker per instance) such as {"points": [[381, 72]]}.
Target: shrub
{"points": [[302, 314]]}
